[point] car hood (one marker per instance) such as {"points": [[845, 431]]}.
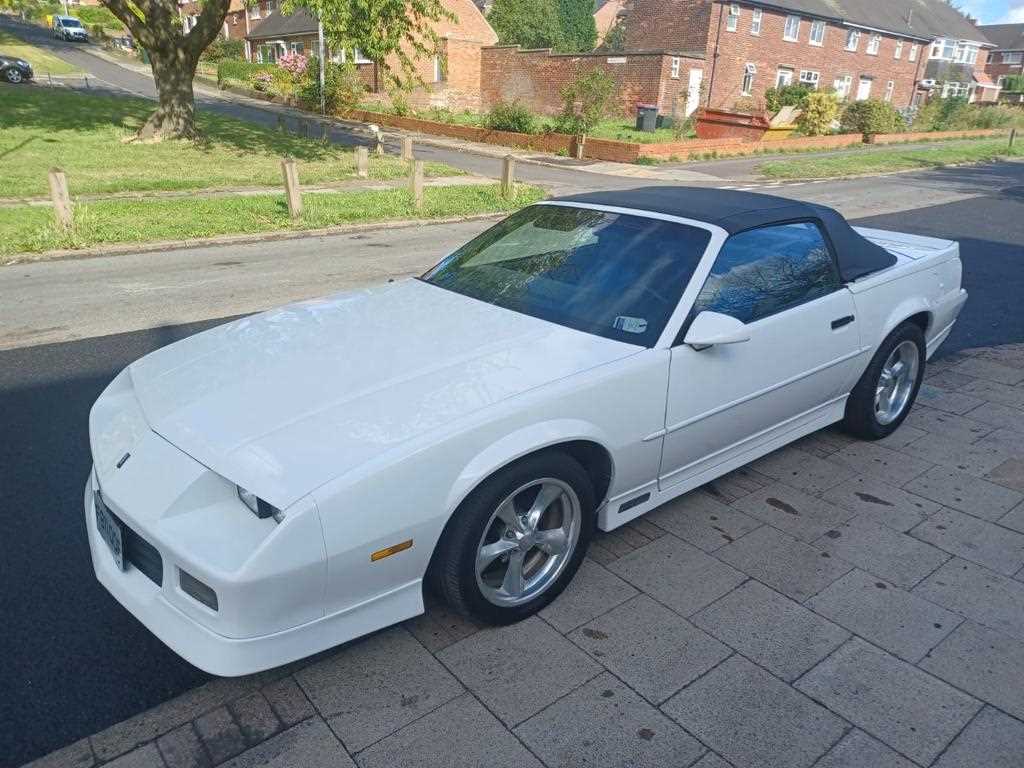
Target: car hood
{"points": [[283, 401]]}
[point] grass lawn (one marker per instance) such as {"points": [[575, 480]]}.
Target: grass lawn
{"points": [[31, 229], [621, 129], [86, 136], [41, 60], [923, 156]]}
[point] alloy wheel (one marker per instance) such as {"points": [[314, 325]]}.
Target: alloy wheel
{"points": [[896, 382]]}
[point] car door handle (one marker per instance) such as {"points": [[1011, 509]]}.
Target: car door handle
{"points": [[842, 321]]}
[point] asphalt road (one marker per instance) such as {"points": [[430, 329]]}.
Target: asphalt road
{"points": [[74, 661]]}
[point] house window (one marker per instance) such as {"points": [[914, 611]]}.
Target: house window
{"points": [[1013, 58], [732, 21], [756, 16], [358, 58], [297, 47], [944, 49], [254, 11], [675, 67], [864, 88], [810, 78], [817, 33], [889, 88], [783, 77], [874, 43], [438, 70], [914, 49], [853, 40], [842, 86], [966, 53], [954, 90], [1001, 81], [899, 50], [792, 30], [748, 79]]}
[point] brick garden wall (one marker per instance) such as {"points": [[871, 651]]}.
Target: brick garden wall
{"points": [[536, 78]]}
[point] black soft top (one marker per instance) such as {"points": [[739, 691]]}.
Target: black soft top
{"points": [[736, 211]]}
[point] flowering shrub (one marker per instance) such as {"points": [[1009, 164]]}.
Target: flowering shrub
{"points": [[295, 63], [262, 80]]}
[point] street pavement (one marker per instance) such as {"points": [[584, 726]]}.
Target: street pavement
{"points": [[882, 623]]}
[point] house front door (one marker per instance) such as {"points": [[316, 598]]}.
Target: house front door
{"points": [[693, 91]]}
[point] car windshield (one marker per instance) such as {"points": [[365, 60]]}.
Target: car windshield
{"points": [[611, 274], [71, 23]]}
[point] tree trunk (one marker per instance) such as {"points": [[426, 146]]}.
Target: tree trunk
{"points": [[175, 115]]}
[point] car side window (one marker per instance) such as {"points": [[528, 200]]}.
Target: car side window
{"points": [[765, 271]]}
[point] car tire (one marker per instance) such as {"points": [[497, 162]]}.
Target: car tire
{"points": [[886, 392], [13, 76], [502, 515]]}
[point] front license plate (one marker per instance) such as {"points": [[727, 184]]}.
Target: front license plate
{"points": [[111, 531]]}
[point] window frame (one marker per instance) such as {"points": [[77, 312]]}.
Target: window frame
{"points": [[692, 313], [823, 27], [749, 71], [756, 21], [732, 19], [890, 90], [1012, 57], [915, 51], [874, 45], [813, 83], [898, 53], [675, 67], [795, 37], [853, 40], [847, 85]]}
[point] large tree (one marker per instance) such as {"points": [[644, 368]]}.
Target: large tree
{"points": [[576, 18], [529, 23], [157, 26], [393, 34]]}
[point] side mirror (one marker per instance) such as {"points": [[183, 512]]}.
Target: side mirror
{"points": [[711, 328]]}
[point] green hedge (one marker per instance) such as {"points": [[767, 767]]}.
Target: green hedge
{"points": [[242, 70]]}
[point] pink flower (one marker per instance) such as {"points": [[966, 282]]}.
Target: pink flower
{"points": [[295, 63]]}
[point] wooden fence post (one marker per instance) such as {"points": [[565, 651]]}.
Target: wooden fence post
{"points": [[325, 132], [508, 176], [407, 149], [1013, 136], [292, 190], [61, 200], [416, 183], [362, 162]]}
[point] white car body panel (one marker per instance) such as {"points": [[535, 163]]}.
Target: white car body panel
{"points": [[368, 417]]}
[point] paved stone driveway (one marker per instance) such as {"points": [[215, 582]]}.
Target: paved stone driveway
{"points": [[835, 604]]}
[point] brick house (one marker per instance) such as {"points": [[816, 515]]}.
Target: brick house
{"points": [[1007, 58], [236, 25], [606, 15], [898, 50], [451, 79]]}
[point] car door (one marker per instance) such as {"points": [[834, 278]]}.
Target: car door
{"points": [[783, 282]]}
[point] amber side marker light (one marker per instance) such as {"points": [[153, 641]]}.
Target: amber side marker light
{"points": [[394, 549]]}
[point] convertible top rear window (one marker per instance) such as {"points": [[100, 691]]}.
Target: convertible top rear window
{"points": [[610, 274]]}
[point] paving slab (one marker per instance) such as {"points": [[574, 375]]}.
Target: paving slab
{"points": [[1010, 474], [888, 616], [711, 760], [220, 734], [651, 648], [604, 723], [181, 748], [797, 513], [965, 492], [992, 740], [736, 484], [891, 555], [753, 719], [937, 422], [288, 701], [518, 670], [791, 567], [75, 755], [802, 470], [973, 539], [677, 574], [858, 750], [255, 718], [1004, 394], [985, 663], [997, 415], [309, 744], [376, 685], [593, 590], [911, 711], [702, 520], [146, 756], [992, 370], [1009, 440], [882, 502], [1014, 519], [977, 593], [947, 400], [902, 437], [895, 467], [945, 378], [977, 458], [771, 630]]}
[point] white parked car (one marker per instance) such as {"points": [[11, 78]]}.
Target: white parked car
{"points": [[287, 482]]}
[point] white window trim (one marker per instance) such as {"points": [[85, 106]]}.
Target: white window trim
{"points": [[890, 89], [899, 50], [781, 81], [675, 68], [756, 19], [358, 58], [819, 24], [915, 49], [853, 40], [749, 71], [811, 81], [843, 85], [1012, 57], [860, 84], [874, 45], [732, 21], [795, 37]]}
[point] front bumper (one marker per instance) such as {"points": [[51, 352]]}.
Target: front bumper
{"points": [[160, 610]]}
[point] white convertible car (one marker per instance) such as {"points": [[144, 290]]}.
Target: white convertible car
{"points": [[287, 482]]}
